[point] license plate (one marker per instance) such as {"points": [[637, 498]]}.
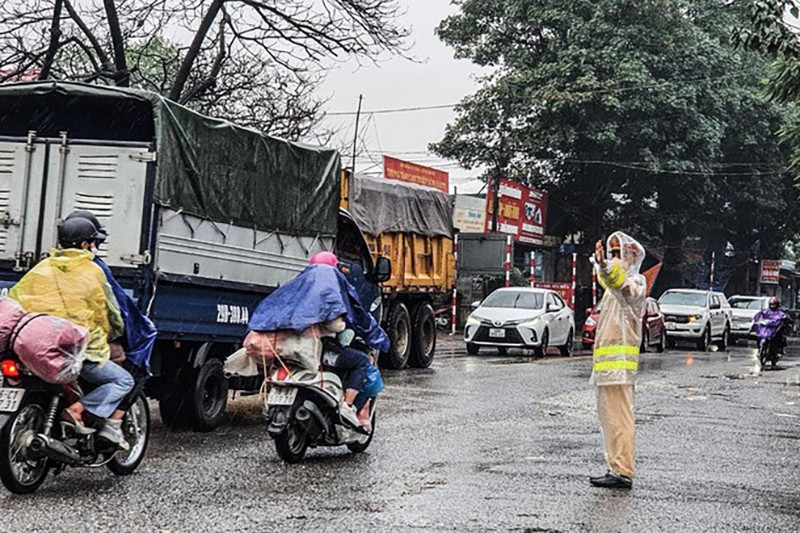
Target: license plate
{"points": [[497, 333], [282, 396], [10, 399], [670, 325]]}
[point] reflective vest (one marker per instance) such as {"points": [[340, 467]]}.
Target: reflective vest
{"points": [[619, 326]]}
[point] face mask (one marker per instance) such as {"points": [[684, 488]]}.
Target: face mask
{"points": [[346, 337]]}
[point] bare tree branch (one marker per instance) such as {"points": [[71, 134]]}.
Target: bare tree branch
{"points": [[122, 76], [55, 37], [194, 49]]}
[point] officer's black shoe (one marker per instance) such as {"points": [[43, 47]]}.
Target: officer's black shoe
{"points": [[611, 481]]}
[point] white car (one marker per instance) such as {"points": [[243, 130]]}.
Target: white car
{"points": [[700, 316], [521, 317], [744, 309]]}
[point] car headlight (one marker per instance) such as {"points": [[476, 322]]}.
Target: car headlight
{"points": [[472, 321], [530, 323], [694, 318], [591, 321]]}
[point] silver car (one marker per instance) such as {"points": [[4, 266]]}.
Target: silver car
{"points": [[744, 309], [521, 318]]}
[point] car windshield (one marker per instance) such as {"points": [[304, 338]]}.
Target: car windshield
{"points": [[748, 303], [684, 298], [518, 300]]}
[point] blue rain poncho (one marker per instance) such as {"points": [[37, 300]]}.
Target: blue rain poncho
{"points": [[318, 294], [140, 332]]}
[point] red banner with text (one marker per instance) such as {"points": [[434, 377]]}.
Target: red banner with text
{"points": [[397, 169]]}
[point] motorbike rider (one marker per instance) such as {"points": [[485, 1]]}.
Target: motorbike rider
{"points": [[769, 323], [68, 284], [350, 363], [134, 348]]}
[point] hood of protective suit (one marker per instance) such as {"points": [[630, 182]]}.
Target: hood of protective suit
{"points": [[631, 252], [70, 259]]}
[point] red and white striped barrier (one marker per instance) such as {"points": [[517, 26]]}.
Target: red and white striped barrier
{"points": [[533, 268], [594, 287], [711, 278], [508, 261], [574, 271]]}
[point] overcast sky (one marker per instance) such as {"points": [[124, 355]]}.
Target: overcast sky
{"points": [[435, 78]]}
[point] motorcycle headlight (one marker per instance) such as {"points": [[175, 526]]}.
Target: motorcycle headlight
{"points": [[591, 321], [472, 321]]}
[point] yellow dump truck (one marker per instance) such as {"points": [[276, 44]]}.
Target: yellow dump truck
{"points": [[413, 227]]}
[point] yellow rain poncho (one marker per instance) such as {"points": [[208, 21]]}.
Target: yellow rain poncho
{"points": [[616, 350], [69, 285]]}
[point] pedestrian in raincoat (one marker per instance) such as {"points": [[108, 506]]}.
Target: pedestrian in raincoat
{"points": [[616, 353]]}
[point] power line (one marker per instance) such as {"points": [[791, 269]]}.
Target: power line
{"points": [[571, 93]]}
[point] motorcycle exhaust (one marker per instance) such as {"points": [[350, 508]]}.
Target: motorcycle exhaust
{"points": [[45, 447]]}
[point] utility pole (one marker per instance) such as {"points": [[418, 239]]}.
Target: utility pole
{"points": [[355, 135]]}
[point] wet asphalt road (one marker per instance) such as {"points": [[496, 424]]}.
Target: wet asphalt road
{"points": [[474, 444]]}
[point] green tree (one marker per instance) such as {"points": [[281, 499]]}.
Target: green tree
{"points": [[634, 114]]}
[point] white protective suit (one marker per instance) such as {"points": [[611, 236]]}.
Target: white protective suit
{"points": [[616, 350]]}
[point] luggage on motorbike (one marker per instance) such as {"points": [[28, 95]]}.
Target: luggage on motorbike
{"points": [[303, 349], [51, 347], [239, 363], [10, 314]]}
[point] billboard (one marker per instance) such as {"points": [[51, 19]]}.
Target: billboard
{"points": [[522, 211], [770, 271], [469, 214], [397, 169]]}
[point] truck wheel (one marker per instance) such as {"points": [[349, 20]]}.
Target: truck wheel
{"points": [[398, 327], [423, 337], [209, 396]]}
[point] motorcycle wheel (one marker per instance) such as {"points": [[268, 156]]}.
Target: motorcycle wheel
{"points": [[292, 444], [136, 427], [18, 473], [763, 353], [362, 445]]}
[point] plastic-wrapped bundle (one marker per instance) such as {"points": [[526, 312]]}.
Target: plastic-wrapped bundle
{"points": [[304, 348], [50, 347]]}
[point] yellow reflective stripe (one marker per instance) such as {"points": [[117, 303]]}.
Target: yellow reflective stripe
{"points": [[615, 365], [620, 349], [613, 279]]}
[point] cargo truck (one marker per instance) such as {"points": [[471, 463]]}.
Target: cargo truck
{"points": [[412, 226], [205, 219]]}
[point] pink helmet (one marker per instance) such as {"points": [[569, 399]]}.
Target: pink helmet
{"points": [[324, 258]]}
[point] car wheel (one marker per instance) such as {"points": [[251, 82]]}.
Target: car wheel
{"points": [[586, 345], [671, 343], [541, 351], [662, 342], [566, 350], [472, 349], [645, 342], [502, 350], [723, 343], [705, 340]]}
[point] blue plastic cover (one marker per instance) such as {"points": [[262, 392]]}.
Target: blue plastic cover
{"points": [[140, 333], [318, 294]]}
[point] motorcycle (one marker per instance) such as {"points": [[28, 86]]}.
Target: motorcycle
{"points": [[302, 411], [33, 441], [768, 332]]}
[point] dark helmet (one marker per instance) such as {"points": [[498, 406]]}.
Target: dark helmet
{"points": [[774, 302], [74, 231], [88, 215]]}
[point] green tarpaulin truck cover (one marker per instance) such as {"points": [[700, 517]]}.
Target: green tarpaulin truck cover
{"points": [[205, 166]]}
